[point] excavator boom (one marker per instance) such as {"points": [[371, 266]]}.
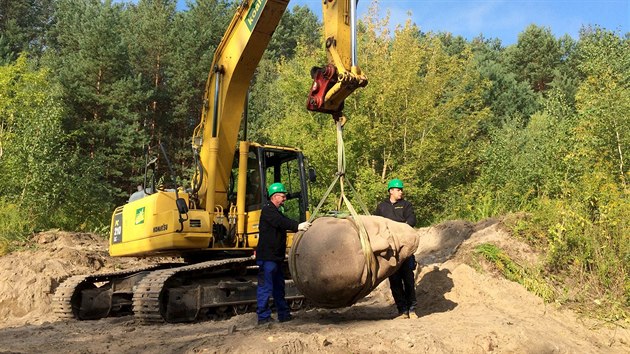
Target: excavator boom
{"points": [[233, 66]]}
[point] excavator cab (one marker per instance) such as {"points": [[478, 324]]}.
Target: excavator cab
{"points": [[287, 166], [265, 165]]}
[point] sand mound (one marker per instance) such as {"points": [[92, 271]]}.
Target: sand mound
{"points": [[461, 310], [31, 276]]}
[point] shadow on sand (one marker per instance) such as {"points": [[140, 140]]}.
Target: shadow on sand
{"points": [[431, 290]]}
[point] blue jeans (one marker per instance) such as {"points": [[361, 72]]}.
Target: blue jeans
{"points": [[271, 283]]}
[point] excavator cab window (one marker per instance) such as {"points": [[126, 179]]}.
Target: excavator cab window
{"points": [[254, 190], [276, 165], [287, 167]]}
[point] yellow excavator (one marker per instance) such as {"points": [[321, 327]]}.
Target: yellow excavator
{"points": [[212, 226]]}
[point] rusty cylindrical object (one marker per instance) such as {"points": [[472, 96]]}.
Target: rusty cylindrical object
{"points": [[328, 263]]}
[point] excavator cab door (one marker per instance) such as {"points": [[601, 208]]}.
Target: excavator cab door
{"points": [[267, 165], [287, 167]]}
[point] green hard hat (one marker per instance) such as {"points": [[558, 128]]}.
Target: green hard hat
{"points": [[276, 188], [395, 183]]}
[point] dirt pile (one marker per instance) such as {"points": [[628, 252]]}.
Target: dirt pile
{"points": [[31, 276], [461, 310]]}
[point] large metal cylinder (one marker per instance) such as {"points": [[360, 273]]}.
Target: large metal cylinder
{"points": [[330, 267]]}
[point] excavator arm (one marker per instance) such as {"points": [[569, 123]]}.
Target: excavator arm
{"points": [[342, 75], [235, 61]]}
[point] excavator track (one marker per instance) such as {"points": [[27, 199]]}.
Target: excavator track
{"points": [[74, 296], [150, 304], [62, 299], [166, 293]]}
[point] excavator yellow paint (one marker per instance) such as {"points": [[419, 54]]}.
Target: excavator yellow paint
{"points": [[235, 61], [147, 225]]}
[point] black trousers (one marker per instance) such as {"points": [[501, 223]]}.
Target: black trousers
{"points": [[403, 286]]}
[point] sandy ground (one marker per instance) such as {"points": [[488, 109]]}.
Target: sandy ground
{"points": [[461, 310]]}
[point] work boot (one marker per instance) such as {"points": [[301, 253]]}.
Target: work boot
{"points": [[413, 315], [265, 321], [285, 319], [401, 316]]}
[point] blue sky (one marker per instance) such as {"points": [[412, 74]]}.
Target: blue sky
{"points": [[503, 19]]}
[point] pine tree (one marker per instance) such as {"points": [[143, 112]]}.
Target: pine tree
{"points": [[535, 57], [103, 96], [23, 26], [508, 98], [194, 35], [298, 24], [148, 28]]}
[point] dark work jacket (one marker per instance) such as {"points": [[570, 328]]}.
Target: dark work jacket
{"points": [[272, 233], [401, 211]]}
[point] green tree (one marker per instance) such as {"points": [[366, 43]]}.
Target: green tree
{"points": [[508, 98], [567, 77], [535, 57], [148, 28], [298, 24], [40, 176], [453, 45], [151, 49], [603, 100], [23, 26], [101, 92], [5, 50]]}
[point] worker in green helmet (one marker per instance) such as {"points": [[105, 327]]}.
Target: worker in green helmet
{"points": [[270, 254], [402, 283]]}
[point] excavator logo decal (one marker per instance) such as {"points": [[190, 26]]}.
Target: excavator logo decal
{"points": [[254, 13], [140, 216], [163, 227]]}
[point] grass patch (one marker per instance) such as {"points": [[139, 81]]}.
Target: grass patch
{"points": [[15, 226], [531, 279]]}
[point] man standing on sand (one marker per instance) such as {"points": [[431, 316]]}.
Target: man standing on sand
{"points": [[270, 254], [402, 283]]}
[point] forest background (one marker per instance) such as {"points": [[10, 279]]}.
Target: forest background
{"points": [[536, 132]]}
